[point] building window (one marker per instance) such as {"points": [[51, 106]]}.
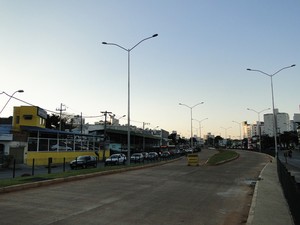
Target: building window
{"points": [[17, 119], [27, 117]]}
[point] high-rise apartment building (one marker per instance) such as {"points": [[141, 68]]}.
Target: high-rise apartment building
{"points": [[283, 123]]}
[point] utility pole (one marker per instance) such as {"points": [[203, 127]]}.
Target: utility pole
{"points": [[61, 109], [105, 117]]}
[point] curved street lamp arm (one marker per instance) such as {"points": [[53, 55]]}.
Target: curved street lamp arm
{"points": [[197, 104], [107, 43], [260, 72], [155, 35], [284, 68], [128, 50], [271, 75], [185, 105], [10, 96], [258, 111], [252, 110]]}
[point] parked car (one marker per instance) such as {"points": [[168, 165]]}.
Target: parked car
{"points": [[137, 157], [152, 156], [189, 150], [115, 159], [61, 147], [84, 161], [145, 154], [165, 154]]}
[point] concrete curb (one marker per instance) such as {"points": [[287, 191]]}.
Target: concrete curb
{"points": [[228, 160], [20, 187], [253, 203]]}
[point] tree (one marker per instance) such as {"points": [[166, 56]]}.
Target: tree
{"points": [[52, 121], [288, 138], [217, 140], [173, 138]]}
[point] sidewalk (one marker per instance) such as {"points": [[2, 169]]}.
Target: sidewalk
{"points": [[269, 206]]}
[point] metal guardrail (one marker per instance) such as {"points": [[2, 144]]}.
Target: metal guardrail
{"points": [[291, 190]]}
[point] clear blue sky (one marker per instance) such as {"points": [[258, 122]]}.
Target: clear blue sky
{"points": [[52, 50]]}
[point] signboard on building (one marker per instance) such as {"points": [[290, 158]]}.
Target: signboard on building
{"points": [[42, 113]]}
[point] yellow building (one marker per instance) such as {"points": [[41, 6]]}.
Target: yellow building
{"points": [[29, 116], [31, 140]]}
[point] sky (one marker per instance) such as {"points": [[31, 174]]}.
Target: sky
{"points": [[53, 51]]}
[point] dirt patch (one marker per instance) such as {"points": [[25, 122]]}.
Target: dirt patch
{"points": [[240, 217]]}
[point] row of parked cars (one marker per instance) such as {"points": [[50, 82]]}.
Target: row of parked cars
{"points": [[117, 159], [120, 158]]}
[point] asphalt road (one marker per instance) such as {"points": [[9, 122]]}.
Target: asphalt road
{"points": [[171, 194]]}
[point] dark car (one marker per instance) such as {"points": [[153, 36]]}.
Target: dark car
{"points": [[165, 155], [152, 156], [84, 162]]}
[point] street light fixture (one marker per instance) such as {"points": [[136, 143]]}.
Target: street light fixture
{"points": [[191, 108], [273, 107], [10, 96], [258, 123], [128, 114], [200, 121], [225, 128]]}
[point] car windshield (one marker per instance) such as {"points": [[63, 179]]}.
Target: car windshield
{"points": [[82, 158]]}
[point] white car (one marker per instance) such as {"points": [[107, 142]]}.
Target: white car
{"points": [[60, 147], [115, 159], [137, 157]]}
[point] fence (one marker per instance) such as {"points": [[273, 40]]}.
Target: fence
{"points": [[291, 190]]}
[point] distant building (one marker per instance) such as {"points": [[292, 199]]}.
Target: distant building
{"points": [[283, 123]]}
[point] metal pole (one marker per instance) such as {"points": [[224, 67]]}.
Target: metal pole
{"points": [[192, 141], [191, 108], [128, 112], [258, 124], [274, 116], [128, 116]]}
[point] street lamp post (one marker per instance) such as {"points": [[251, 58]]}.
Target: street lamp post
{"points": [[240, 127], [273, 107], [10, 96], [258, 123], [191, 108], [128, 84], [225, 128], [200, 121]]}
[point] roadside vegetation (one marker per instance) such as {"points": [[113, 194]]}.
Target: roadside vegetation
{"points": [[42, 177], [222, 156], [27, 179]]}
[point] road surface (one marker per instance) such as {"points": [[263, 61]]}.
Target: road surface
{"points": [[171, 194]]}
